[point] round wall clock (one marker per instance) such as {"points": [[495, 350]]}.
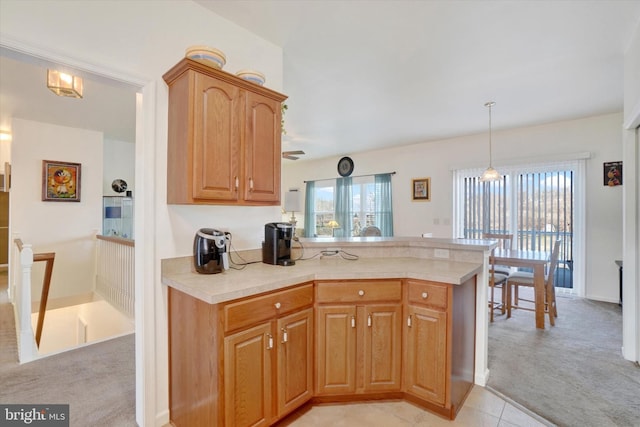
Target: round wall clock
{"points": [[119, 185], [345, 166]]}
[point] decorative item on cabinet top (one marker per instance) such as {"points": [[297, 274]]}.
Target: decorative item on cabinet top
{"points": [[207, 55], [252, 76]]}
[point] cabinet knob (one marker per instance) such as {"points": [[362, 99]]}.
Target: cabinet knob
{"points": [[277, 305], [425, 295], [361, 292]]}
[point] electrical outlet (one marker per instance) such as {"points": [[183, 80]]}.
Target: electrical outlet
{"points": [[441, 253]]}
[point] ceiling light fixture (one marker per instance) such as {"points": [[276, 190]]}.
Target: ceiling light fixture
{"points": [[490, 174], [63, 84]]}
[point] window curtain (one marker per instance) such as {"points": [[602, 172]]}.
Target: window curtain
{"points": [[384, 205], [310, 209], [344, 207]]}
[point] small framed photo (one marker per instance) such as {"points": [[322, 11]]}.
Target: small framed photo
{"points": [[421, 189], [612, 174], [60, 181]]}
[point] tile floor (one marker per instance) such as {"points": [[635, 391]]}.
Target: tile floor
{"points": [[482, 409]]}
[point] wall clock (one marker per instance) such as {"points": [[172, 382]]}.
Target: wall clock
{"points": [[119, 185], [345, 166]]}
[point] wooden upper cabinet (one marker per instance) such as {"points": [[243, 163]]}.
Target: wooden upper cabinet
{"points": [[262, 149], [224, 138]]}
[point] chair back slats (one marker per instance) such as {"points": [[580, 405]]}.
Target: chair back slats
{"points": [[504, 240]]}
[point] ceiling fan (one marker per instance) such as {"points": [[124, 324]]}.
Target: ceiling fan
{"points": [[292, 155]]}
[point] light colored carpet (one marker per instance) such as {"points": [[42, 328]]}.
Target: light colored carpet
{"points": [[572, 374], [97, 381]]}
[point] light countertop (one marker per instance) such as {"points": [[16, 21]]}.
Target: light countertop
{"points": [[259, 277]]}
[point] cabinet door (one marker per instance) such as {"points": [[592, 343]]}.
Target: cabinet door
{"points": [[262, 149], [247, 377], [218, 109], [336, 349], [426, 353], [382, 347], [295, 361]]}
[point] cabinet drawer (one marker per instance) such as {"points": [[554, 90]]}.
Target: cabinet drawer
{"points": [[258, 309], [359, 291], [428, 293]]}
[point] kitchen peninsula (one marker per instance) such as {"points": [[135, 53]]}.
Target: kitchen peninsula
{"points": [[250, 346]]}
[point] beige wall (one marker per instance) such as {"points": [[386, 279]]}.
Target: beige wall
{"points": [[601, 136], [66, 228]]}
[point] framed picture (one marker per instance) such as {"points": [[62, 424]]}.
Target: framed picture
{"points": [[612, 174], [60, 181], [421, 189]]}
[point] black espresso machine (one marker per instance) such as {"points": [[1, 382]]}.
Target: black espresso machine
{"points": [[210, 251], [276, 248]]}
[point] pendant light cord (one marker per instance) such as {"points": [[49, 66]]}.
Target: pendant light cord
{"points": [[490, 104]]}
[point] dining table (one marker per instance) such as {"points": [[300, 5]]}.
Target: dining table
{"points": [[537, 261]]}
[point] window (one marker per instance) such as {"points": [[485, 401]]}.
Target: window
{"points": [[534, 202], [344, 207]]}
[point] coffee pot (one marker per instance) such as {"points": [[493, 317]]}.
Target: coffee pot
{"points": [[210, 251]]}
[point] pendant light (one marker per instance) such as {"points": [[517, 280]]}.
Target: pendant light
{"points": [[490, 174]]}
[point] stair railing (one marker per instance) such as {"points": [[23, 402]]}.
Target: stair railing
{"points": [[27, 343]]}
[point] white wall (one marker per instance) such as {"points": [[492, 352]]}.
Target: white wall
{"points": [[140, 40], [599, 135], [119, 162], [631, 240], [66, 228]]}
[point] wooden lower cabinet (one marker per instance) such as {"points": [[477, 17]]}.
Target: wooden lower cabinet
{"points": [[439, 342], [359, 345], [294, 373], [251, 362], [247, 376], [426, 362], [250, 379]]}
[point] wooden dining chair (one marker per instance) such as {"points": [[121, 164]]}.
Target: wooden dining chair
{"points": [[496, 280], [498, 274], [505, 241], [524, 278]]}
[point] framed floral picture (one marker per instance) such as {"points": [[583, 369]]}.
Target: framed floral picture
{"points": [[421, 188], [60, 181]]}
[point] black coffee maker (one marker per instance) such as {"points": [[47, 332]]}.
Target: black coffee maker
{"points": [[276, 248], [210, 251]]}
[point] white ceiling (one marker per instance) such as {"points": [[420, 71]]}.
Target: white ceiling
{"points": [[362, 75], [107, 106], [370, 74]]}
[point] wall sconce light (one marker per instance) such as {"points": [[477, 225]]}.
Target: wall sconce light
{"points": [[292, 204], [63, 84], [5, 135]]}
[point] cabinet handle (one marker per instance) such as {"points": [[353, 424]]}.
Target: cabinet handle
{"points": [[353, 321], [277, 305], [425, 295], [369, 321], [269, 341], [250, 184], [409, 321], [237, 183], [361, 292], [285, 335]]}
